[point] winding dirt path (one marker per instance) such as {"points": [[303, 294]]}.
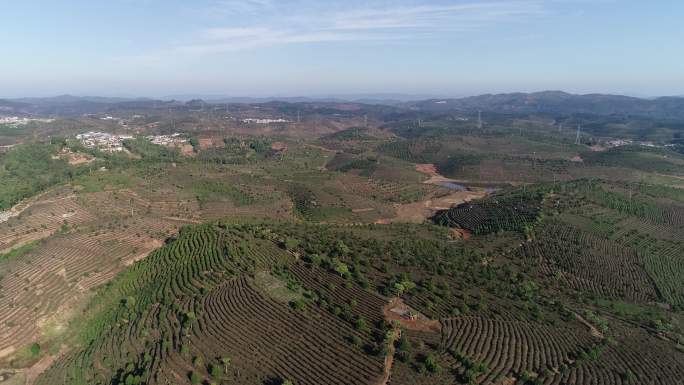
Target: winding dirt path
{"points": [[592, 329], [400, 315], [389, 359], [20, 207], [39, 367]]}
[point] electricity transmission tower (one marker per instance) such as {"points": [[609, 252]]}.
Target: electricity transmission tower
{"points": [[577, 138], [479, 120]]}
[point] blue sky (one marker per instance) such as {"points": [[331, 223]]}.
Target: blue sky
{"points": [[318, 47]]}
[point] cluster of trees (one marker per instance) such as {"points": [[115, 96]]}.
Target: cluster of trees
{"points": [[29, 169], [151, 152], [472, 368]]}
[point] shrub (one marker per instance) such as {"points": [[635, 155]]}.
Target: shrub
{"points": [[628, 376], [291, 244], [216, 371], [297, 304], [360, 324], [195, 378], [35, 349], [431, 364], [404, 344]]}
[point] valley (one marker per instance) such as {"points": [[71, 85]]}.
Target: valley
{"points": [[318, 243]]}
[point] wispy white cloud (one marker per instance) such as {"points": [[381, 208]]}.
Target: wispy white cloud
{"points": [[260, 37], [229, 33], [268, 23], [237, 7], [442, 17]]}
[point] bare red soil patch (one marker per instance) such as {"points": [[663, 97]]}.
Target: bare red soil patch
{"points": [[427, 168], [279, 146], [417, 212], [397, 311], [206, 143], [78, 158], [187, 150], [461, 233], [39, 367]]}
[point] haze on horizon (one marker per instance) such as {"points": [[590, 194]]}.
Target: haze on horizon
{"points": [[306, 47]]}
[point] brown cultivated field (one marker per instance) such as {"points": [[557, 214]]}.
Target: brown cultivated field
{"points": [[77, 242]]}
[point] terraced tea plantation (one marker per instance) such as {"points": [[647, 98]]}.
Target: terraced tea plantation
{"points": [[255, 303], [194, 309], [361, 245]]}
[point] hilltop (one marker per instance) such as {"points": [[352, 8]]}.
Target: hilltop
{"points": [[558, 102], [545, 102]]}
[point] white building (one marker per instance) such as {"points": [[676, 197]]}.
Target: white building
{"points": [[264, 121], [103, 141]]}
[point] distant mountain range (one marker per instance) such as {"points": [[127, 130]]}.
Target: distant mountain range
{"points": [[558, 102], [69, 105], [546, 102], [384, 98], [70, 99]]}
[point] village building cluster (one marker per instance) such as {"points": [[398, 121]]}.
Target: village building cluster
{"points": [[107, 142], [264, 121], [627, 142], [168, 140], [18, 121], [103, 141]]}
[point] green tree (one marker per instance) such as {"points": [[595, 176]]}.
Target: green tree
{"points": [[361, 324], [341, 248], [291, 244], [404, 344], [195, 378], [35, 349], [194, 143], [340, 268], [216, 371], [404, 286], [431, 364]]}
